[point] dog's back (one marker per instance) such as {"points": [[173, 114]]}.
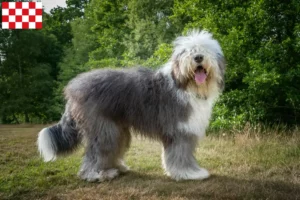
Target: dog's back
{"points": [[135, 97]]}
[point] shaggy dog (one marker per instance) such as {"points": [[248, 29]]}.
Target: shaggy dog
{"points": [[172, 104]]}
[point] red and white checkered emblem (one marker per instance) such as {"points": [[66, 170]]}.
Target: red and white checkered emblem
{"points": [[22, 15]]}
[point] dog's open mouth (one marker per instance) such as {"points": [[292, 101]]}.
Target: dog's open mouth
{"points": [[200, 75]]}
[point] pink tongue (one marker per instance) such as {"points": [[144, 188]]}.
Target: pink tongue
{"points": [[200, 76]]}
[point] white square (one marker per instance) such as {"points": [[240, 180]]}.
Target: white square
{"points": [[18, 25], [11, 5], [38, 18], [5, 12], [11, 18], [25, 5], [32, 25], [31, 11], [39, 5], [18, 12], [4, 25], [25, 18]]}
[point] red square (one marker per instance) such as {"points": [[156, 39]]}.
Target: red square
{"points": [[11, 25], [19, 5], [12, 11], [25, 25], [39, 11], [31, 4], [39, 25], [18, 18], [25, 11], [31, 18], [4, 18], [4, 5]]}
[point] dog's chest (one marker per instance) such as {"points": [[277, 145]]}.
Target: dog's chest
{"points": [[199, 116]]}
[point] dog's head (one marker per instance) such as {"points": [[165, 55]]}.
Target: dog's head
{"points": [[198, 64]]}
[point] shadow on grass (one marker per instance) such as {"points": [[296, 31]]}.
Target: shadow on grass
{"points": [[140, 185], [216, 187]]}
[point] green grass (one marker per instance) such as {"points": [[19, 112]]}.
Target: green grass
{"points": [[244, 166]]}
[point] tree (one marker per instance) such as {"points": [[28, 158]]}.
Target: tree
{"points": [[77, 55], [108, 18], [149, 25], [58, 22], [26, 81]]}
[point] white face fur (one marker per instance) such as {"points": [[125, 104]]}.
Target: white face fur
{"points": [[198, 63], [198, 67]]}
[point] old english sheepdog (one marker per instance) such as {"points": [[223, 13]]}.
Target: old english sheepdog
{"points": [[172, 104]]}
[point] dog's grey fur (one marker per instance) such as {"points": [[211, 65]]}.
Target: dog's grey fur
{"points": [[105, 105]]}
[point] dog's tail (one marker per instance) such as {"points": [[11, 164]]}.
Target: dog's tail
{"points": [[58, 139]]}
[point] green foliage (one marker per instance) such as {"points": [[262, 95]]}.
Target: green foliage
{"points": [[108, 18], [160, 56], [58, 22], [149, 26], [260, 40], [77, 55], [27, 75]]}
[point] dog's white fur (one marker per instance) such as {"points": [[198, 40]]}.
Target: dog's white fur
{"points": [[45, 146], [199, 119]]}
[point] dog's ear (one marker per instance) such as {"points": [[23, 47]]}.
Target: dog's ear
{"points": [[175, 61], [175, 70], [179, 79], [222, 66]]}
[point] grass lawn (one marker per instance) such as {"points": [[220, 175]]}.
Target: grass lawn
{"points": [[246, 166]]}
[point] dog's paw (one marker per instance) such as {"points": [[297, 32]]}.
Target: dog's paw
{"points": [[123, 168], [189, 174], [198, 175], [103, 175], [109, 174]]}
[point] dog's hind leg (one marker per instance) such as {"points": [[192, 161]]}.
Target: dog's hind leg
{"points": [[102, 150], [124, 143], [178, 159]]}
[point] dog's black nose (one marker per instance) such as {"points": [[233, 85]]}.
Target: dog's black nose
{"points": [[198, 58]]}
